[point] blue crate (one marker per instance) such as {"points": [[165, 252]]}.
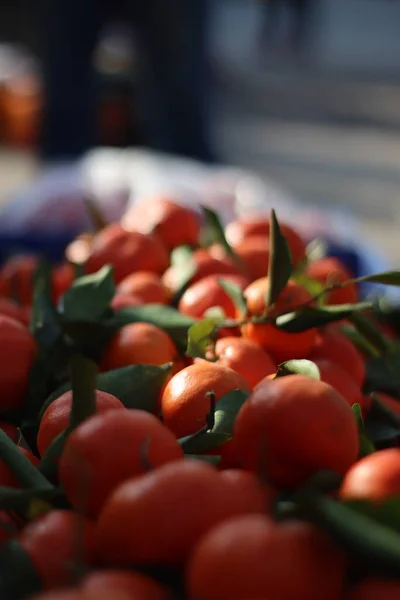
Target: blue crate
{"points": [[52, 246]]}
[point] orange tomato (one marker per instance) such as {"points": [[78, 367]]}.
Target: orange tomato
{"points": [[175, 224], [375, 477], [279, 344], [135, 585], [259, 225], [245, 357], [51, 542], [56, 417], [207, 293], [248, 557], [127, 251], [158, 518], [17, 352], [138, 343], [144, 285], [328, 271], [292, 427], [110, 448], [334, 346], [340, 379]]}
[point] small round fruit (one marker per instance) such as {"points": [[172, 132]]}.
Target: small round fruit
{"points": [[292, 427], [333, 345], [127, 251], [17, 277], [254, 255], [157, 519], [136, 585], [279, 344], [110, 448], [255, 494], [17, 352], [249, 556], [62, 278], [330, 271], [205, 264], [333, 374], [9, 308], [51, 542], [145, 285], [206, 293], [138, 343], [259, 225], [374, 477], [56, 417], [175, 224], [125, 301], [185, 404], [245, 357]]}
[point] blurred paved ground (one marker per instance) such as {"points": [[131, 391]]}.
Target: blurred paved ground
{"points": [[328, 135], [332, 138]]}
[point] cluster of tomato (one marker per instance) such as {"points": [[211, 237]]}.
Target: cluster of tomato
{"points": [[139, 510]]}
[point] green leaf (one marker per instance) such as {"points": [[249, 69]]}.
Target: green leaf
{"points": [[21, 467], [372, 334], [216, 233], [46, 374], [200, 338], [203, 443], [83, 381], [385, 278], [383, 375], [211, 459], [88, 339], [298, 367], [280, 262], [366, 446], [356, 408], [25, 502], [386, 512], [381, 424], [137, 386], [376, 547], [380, 411], [49, 464], [235, 294], [184, 266], [44, 326], [313, 287], [310, 317], [381, 434], [89, 297], [227, 409], [359, 340], [225, 414], [324, 481], [215, 313], [18, 576], [167, 318]]}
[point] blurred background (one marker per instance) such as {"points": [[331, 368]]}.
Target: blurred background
{"points": [[306, 93]]}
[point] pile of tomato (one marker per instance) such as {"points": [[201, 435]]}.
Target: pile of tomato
{"points": [[197, 412]]}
